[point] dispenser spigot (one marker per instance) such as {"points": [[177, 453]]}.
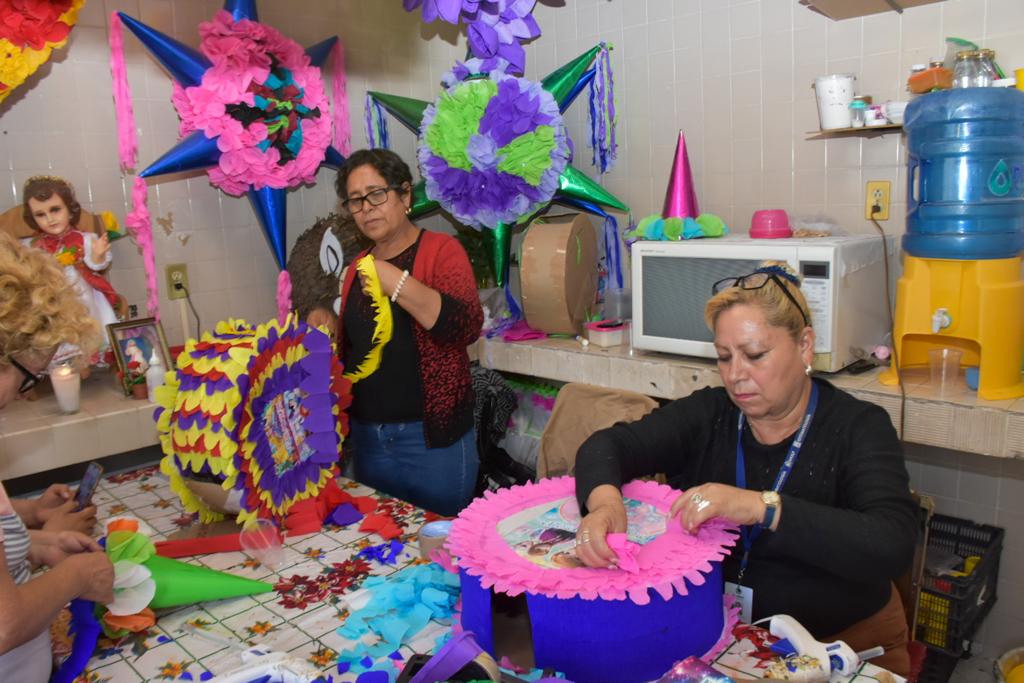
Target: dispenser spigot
{"points": [[941, 320]]}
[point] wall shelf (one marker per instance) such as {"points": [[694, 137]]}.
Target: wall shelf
{"points": [[863, 131]]}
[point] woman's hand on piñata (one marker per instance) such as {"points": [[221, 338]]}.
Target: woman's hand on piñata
{"points": [[607, 514], [698, 504]]}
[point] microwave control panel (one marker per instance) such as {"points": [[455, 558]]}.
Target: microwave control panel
{"points": [[817, 289]]}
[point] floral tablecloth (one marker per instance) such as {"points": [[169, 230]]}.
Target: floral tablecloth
{"points": [[300, 616]]}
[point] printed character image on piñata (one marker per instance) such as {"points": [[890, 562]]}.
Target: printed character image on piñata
{"points": [[258, 412], [663, 602], [282, 421], [546, 534]]}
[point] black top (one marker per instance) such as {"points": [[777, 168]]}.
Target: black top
{"points": [[394, 393], [848, 523]]}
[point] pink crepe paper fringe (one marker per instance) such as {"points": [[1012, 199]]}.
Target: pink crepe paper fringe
{"points": [[140, 226], [626, 551], [732, 617], [665, 564], [127, 139], [284, 296], [339, 93]]}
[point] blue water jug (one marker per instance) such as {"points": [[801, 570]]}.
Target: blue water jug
{"points": [[965, 175]]}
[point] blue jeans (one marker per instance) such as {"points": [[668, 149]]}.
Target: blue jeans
{"points": [[393, 458]]}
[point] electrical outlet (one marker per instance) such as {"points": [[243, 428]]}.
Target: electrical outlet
{"points": [[177, 280], [878, 194]]}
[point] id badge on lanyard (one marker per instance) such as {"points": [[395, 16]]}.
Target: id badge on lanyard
{"points": [[745, 594]]}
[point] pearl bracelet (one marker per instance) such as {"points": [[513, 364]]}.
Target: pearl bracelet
{"points": [[398, 287]]}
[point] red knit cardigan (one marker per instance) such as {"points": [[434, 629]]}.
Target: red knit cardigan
{"points": [[441, 263]]}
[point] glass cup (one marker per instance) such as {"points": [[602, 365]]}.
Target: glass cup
{"points": [[945, 370], [263, 542]]}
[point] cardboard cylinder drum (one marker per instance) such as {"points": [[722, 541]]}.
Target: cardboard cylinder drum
{"points": [[558, 273]]}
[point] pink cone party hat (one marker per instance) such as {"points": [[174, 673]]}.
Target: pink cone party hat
{"points": [[680, 198]]}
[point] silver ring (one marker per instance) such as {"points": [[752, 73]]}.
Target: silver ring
{"points": [[696, 498], [703, 504]]}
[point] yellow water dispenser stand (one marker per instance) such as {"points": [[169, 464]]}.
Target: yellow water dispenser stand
{"points": [[976, 306]]}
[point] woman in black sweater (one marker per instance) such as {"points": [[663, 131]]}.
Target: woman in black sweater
{"points": [[824, 537]]}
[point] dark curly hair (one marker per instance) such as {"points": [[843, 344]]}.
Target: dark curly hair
{"points": [[42, 188], [390, 166]]}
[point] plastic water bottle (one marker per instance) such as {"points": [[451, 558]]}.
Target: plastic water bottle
{"points": [[155, 374], [965, 175]]}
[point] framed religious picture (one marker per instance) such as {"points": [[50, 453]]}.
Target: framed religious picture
{"points": [[134, 342]]}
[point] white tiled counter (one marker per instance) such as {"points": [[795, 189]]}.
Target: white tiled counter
{"points": [[35, 436], [961, 422]]}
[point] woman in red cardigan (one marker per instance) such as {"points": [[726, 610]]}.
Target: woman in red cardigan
{"points": [[412, 418]]}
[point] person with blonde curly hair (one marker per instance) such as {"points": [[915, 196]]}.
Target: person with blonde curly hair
{"points": [[814, 476], [38, 312]]}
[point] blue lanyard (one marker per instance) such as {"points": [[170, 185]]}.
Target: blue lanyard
{"points": [[750, 533]]}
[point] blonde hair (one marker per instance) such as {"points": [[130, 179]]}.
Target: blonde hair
{"points": [[778, 310], [39, 310]]}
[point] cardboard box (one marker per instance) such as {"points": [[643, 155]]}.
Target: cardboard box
{"points": [[558, 273], [838, 10]]}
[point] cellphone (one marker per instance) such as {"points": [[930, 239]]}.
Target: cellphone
{"points": [[87, 487]]}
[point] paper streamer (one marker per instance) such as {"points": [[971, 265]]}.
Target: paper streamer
{"points": [[339, 93], [141, 227], [127, 138]]}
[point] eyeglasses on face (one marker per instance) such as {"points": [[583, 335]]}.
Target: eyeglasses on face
{"points": [[31, 378], [757, 281], [374, 198]]}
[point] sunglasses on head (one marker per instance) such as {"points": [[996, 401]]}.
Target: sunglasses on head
{"points": [[757, 280], [30, 378]]}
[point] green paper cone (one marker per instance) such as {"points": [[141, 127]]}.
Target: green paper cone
{"points": [[178, 583], [561, 81], [573, 183], [421, 203], [500, 241], [407, 110]]}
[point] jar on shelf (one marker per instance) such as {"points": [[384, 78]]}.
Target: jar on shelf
{"points": [[974, 69]]}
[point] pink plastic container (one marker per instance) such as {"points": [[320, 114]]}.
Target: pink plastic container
{"points": [[770, 224]]}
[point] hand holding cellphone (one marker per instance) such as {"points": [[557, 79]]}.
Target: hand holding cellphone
{"points": [[83, 497]]}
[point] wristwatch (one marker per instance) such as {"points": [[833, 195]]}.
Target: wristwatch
{"points": [[771, 500]]}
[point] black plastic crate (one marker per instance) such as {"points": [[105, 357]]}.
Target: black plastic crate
{"points": [[950, 608], [937, 668]]}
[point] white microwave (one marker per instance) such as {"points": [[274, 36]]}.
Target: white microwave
{"points": [[843, 282]]}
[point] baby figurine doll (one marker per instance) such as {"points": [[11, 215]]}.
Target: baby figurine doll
{"points": [[50, 208]]}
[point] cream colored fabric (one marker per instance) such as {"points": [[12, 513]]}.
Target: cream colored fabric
{"points": [[580, 410]]}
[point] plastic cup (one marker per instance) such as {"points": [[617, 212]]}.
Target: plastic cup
{"points": [[263, 542], [945, 369], [834, 94], [618, 304]]}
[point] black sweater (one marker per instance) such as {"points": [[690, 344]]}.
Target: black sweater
{"points": [[848, 521]]}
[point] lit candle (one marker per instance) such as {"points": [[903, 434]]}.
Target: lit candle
{"points": [[67, 384]]}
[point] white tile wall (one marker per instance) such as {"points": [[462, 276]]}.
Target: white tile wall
{"points": [[735, 76]]}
